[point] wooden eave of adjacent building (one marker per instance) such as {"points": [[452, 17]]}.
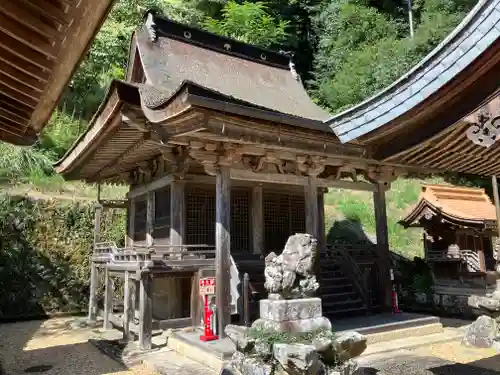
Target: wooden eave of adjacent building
{"points": [[458, 206], [41, 44], [427, 110]]}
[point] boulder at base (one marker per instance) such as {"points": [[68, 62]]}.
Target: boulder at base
{"points": [[481, 333]]}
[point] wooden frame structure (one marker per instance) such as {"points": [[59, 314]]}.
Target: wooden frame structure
{"points": [[41, 43], [459, 224], [222, 148]]}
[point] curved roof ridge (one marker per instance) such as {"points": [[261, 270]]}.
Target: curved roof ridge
{"points": [[466, 42]]}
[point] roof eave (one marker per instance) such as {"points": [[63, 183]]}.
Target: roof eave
{"points": [[342, 124], [83, 30]]}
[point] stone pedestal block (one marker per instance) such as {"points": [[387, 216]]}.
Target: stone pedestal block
{"points": [[292, 315], [290, 309]]}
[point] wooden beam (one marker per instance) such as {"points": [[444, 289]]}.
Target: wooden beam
{"points": [[177, 212], [131, 223], [127, 311], [257, 210], [195, 304], [30, 20], [4, 113], [223, 248], [497, 203], [22, 111], [24, 36], [150, 218], [383, 249], [22, 66], [22, 78], [7, 43], [97, 223], [152, 186], [108, 299], [146, 312], [47, 10], [17, 96], [291, 179], [94, 281], [312, 211]]}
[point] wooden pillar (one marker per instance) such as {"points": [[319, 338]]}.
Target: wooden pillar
{"points": [[223, 248], [497, 207], [145, 311], [321, 221], [312, 210], [383, 247], [108, 299], [129, 240], [257, 211], [196, 305], [177, 212], [127, 308], [97, 223], [94, 281], [172, 286], [150, 218]]}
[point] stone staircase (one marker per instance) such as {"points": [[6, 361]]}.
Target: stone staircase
{"points": [[338, 293]]}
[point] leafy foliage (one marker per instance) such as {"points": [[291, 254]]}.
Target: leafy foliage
{"points": [[248, 22], [44, 254]]}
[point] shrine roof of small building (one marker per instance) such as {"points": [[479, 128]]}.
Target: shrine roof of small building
{"points": [[178, 73], [457, 205]]}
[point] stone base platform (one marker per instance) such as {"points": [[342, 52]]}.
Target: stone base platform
{"points": [[377, 328], [292, 315]]}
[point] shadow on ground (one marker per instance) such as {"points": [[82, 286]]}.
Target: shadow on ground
{"points": [[486, 366], [52, 347]]}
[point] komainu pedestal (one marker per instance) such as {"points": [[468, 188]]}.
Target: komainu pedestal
{"points": [[293, 315], [292, 337]]}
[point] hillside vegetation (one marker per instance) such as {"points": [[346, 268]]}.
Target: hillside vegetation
{"points": [[345, 50]]}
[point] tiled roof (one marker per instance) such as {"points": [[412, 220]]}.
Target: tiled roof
{"points": [[236, 70], [478, 31], [457, 204]]}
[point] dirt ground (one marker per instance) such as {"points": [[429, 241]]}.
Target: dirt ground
{"points": [[53, 347]]}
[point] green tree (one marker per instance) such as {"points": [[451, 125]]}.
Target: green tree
{"points": [[249, 23]]}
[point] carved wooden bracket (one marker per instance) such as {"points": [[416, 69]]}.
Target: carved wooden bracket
{"points": [[179, 159], [311, 165], [382, 174], [211, 155], [269, 158]]}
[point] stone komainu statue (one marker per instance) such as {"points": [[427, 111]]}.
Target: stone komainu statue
{"points": [[290, 275]]}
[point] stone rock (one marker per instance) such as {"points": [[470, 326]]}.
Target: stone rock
{"points": [[297, 358], [290, 275], [349, 345], [263, 349], [246, 365], [324, 347], [237, 334], [298, 326], [347, 368], [481, 302], [481, 333], [291, 309]]}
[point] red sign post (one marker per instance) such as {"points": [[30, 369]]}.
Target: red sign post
{"points": [[207, 289]]}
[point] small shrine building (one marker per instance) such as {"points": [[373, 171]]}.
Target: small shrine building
{"points": [[226, 156], [459, 224]]}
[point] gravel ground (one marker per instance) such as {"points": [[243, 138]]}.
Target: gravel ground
{"points": [[52, 347]]}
